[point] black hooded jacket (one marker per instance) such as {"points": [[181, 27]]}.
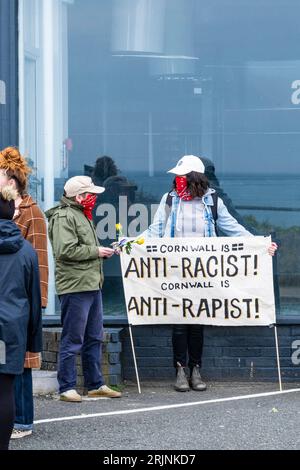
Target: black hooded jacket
{"points": [[20, 299]]}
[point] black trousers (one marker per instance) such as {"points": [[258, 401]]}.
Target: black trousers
{"points": [[187, 341], [7, 409]]}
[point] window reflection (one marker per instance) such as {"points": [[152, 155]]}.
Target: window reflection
{"points": [[143, 82]]}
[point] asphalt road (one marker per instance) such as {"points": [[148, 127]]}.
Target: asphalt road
{"points": [[270, 422]]}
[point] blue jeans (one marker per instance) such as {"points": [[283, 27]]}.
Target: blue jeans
{"points": [[24, 401], [82, 321]]}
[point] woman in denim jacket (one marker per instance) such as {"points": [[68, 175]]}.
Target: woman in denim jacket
{"points": [[188, 211]]}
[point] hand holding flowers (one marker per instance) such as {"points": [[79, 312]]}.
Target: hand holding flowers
{"points": [[123, 243]]}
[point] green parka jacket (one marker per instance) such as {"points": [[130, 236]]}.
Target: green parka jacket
{"points": [[75, 245]]}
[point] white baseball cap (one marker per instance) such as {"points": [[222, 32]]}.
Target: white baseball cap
{"points": [[81, 184], [187, 164]]}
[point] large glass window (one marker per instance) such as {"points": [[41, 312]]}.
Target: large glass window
{"points": [[144, 82]]}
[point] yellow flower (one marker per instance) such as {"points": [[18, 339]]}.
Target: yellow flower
{"points": [[140, 241], [119, 227]]}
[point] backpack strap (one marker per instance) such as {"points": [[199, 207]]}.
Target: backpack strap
{"points": [[214, 210], [168, 205], [169, 200]]}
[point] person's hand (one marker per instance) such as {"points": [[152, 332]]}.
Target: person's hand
{"points": [[105, 252], [273, 248]]}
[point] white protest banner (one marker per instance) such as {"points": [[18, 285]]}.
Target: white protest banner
{"points": [[210, 281]]}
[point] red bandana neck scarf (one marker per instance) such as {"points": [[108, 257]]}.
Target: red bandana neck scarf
{"points": [[181, 188], [88, 205]]}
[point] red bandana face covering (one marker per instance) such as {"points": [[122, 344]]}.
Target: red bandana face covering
{"points": [[181, 188], [88, 205]]}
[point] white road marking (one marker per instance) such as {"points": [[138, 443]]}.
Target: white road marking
{"points": [[94, 398], [165, 407]]}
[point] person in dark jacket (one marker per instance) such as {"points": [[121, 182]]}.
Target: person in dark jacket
{"points": [[14, 172], [20, 309]]}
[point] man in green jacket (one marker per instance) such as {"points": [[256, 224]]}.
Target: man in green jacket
{"points": [[78, 279]]}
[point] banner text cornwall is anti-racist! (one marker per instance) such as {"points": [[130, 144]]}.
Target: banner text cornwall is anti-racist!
{"points": [[220, 281]]}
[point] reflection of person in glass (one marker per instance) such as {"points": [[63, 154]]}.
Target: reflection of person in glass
{"points": [[192, 209], [215, 184], [104, 168], [117, 188], [106, 173]]}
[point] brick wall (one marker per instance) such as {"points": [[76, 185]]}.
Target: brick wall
{"points": [[112, 348], [229, 353]]}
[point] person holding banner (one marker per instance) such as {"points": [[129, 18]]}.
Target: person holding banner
{"points": [[192, 209]]}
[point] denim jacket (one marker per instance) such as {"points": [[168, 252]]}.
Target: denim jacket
{"points": [[164, 222]]}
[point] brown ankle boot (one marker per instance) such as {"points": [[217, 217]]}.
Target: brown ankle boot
{"points": [[181, 384], [196, 380]]}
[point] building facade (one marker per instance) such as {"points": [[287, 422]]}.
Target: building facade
{"points": [[145, 82], [8, 72]]}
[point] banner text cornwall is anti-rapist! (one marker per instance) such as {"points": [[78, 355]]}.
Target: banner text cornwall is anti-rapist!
{"points": [[210, 281]]}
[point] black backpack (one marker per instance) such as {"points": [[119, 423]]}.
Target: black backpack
{"points": [[214, 209]]}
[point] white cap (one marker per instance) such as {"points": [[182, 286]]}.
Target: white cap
{"points": [[187, 164], [81, 184]]}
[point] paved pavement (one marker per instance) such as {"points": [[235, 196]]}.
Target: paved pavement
{"points": [[264, 422]]}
